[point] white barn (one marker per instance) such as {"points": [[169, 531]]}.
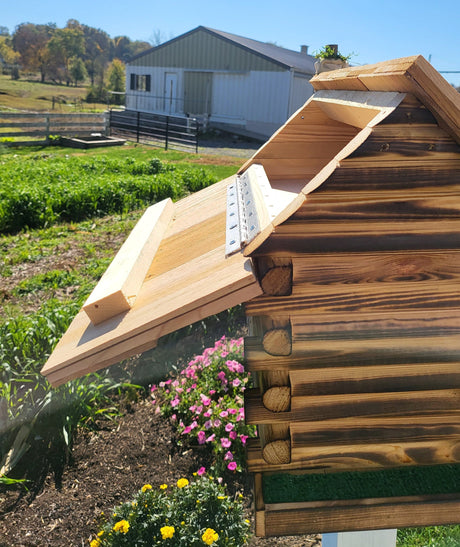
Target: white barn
{"points": [[226, 80]]}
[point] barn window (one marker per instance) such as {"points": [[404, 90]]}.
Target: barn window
{"points": [[140, 82]]}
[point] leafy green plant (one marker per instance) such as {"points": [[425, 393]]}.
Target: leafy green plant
{"points": [[38, 191], [205, 402], [431, 536], [54, 140], [329, 52], [36, 419], [188, 514]]}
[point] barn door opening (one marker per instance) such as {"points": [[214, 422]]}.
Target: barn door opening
{"points": [[170, 93], [197, 92]]}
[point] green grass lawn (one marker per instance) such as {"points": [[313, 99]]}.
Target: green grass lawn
{"points": [[31, 95]]}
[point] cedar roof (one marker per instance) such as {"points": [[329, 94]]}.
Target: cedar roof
{"points": [[186, 274]]}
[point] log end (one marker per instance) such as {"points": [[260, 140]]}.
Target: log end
{"points": [[277, 281], [277, 398], [277, 452], [277, 342]]}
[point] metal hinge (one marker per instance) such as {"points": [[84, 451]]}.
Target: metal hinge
{"points": [[242, 219]]}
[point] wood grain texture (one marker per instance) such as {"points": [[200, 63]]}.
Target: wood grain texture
{"points": [[374, 379], [376, 431], [177, 292], [312, 408], [357, 457], [364, 339], [350, 237], [356, 174], [409, 74], [365, 282], [366, 514], [118, 288]]}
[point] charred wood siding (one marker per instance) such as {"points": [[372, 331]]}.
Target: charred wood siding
{"points": [[372, 357]]}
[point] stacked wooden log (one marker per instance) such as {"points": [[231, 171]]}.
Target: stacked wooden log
{"points": [[355, 341]]}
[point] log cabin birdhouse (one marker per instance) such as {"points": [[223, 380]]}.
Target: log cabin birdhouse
{"points": [[342, 236]]}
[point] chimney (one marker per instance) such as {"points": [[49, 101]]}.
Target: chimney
{"points": [[304, 50]]}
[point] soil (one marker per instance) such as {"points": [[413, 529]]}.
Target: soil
{"points": [[108, 467]]}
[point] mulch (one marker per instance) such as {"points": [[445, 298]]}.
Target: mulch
{"points": [[108, 467]]}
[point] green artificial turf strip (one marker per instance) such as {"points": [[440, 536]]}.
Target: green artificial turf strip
{"points": [[411, 481]]}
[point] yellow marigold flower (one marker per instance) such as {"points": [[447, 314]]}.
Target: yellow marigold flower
{"points": [[167, 532], [95, 543], [183, 523], [101, 533], [146, 487], [182, 482], [221, 497], [121, 526], [163, 486], [210, 536]]}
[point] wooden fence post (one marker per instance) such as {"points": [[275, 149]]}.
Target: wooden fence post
{"points": [[107, 123], [47, 128]]}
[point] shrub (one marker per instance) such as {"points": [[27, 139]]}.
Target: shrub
{"points": [[186, 514], [42, 190], [205, 402]]}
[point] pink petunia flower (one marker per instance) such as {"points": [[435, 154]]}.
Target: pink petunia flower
{"points": [[205, 400], [201, 437], [226, 443], [232, 466], [201, 471], [229, 427], [228, 456]]}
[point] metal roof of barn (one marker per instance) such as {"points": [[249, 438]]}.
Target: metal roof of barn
{"points": [[287, 58]]}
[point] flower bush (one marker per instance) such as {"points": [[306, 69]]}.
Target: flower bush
{"points": [[205, 401], [188, 514]]}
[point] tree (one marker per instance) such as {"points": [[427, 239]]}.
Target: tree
{"points": [[124, 48], [31, 42], [116, 77], [99, 50], [77, 70], [66, 44], [9, 58]]}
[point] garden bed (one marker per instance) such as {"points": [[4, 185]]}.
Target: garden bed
{"points": [[93, 141], [109, 467]]}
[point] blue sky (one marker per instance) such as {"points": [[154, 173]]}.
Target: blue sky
{"points": [[374, 31]]}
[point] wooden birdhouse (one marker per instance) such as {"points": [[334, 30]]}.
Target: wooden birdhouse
{"points": [[342, 236]]}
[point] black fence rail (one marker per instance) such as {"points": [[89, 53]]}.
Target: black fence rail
{"points": [[24, 129], [155, 129]]}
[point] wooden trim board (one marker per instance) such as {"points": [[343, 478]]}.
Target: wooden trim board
{"points": [[351, 515], [119, 286]]}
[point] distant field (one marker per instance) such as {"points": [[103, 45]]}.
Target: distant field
{"points": [[35, 96]]}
